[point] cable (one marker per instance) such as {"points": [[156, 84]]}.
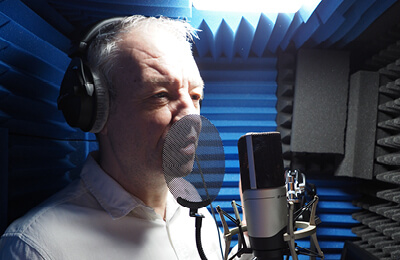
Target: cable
{"points": [[218, 231], [211, 206]]}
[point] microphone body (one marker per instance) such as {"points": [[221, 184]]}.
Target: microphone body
{"points": [[264, 193]]}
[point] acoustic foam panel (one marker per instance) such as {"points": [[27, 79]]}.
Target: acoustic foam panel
{"points": [[3, 178], [320, 102], [361, 126]]}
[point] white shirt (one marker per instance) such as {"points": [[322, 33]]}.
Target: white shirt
{"points": [[95, 218]]}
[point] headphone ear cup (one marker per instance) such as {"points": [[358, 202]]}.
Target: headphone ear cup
{"points": [[102, 104], [83, 100]]}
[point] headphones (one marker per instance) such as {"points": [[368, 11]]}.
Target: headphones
{"points": [[83, 100]]}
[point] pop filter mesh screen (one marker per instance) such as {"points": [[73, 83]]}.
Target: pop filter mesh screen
{"points": [[193, 161]]}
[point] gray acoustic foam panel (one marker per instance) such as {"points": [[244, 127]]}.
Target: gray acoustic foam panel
{"points": [[320, 102], [361, 126]]}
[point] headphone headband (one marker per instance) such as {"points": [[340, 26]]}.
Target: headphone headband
{"points": [[94, 31]]}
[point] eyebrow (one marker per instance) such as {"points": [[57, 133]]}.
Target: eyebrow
{"points": [[162, 82], [199, 84]]}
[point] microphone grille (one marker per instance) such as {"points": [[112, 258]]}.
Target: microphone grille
{"points": [[265, 150]]}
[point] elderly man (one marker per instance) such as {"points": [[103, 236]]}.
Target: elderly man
{"points": [[121, 207]]}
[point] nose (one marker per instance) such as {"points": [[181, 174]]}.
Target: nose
{"points": [[184, 106]]}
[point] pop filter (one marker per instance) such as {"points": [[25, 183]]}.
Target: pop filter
{"points": [[193, 161]]}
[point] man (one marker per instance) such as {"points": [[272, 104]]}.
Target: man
{"points": [[121, 208]]}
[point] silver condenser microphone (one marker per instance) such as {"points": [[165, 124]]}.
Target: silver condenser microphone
{"points": [[264, 193]]}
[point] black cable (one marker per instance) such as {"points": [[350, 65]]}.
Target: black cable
{"points": [[218, 231], [300, 211], [211, 206]]}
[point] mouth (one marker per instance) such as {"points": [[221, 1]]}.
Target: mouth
{"points": [[179, 156], [189, 146], [189, 149], [180, 146]]}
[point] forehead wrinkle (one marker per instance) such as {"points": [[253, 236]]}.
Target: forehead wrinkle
{"points": [[144, 61]]}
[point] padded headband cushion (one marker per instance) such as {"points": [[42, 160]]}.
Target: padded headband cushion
{"points": [[102, 104]]}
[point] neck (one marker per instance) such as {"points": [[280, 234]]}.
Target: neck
{"points": [[149, 187]]}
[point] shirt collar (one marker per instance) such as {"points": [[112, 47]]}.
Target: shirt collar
{"points": [[109, 193], [113, 198]]}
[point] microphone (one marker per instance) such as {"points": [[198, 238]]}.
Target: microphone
{"points": [[264, 193]]}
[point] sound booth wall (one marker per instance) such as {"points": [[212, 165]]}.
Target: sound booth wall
{"points": [[41, 149], [248, 63]]}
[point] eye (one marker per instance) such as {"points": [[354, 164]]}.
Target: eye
{"points": [[196, 97], [161, 95]]}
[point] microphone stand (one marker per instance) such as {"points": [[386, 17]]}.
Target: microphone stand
{"points": [[229, 233], [295, 230], [306, 229]]}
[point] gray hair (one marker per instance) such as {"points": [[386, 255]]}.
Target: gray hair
{"points": [[104, 50]]}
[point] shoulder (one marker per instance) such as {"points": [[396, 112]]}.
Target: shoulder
{"points": [[31, 234], [46, 211], [19, 247]]}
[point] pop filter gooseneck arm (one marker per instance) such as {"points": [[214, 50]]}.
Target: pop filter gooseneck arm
{"points": [[199, 218], [193, 212]]}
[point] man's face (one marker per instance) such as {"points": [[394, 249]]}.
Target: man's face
{"points": [[157, 83]]}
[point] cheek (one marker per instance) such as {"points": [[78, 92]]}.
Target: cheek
{"points": [[154, 125], [161, 121], [140, 126]]}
